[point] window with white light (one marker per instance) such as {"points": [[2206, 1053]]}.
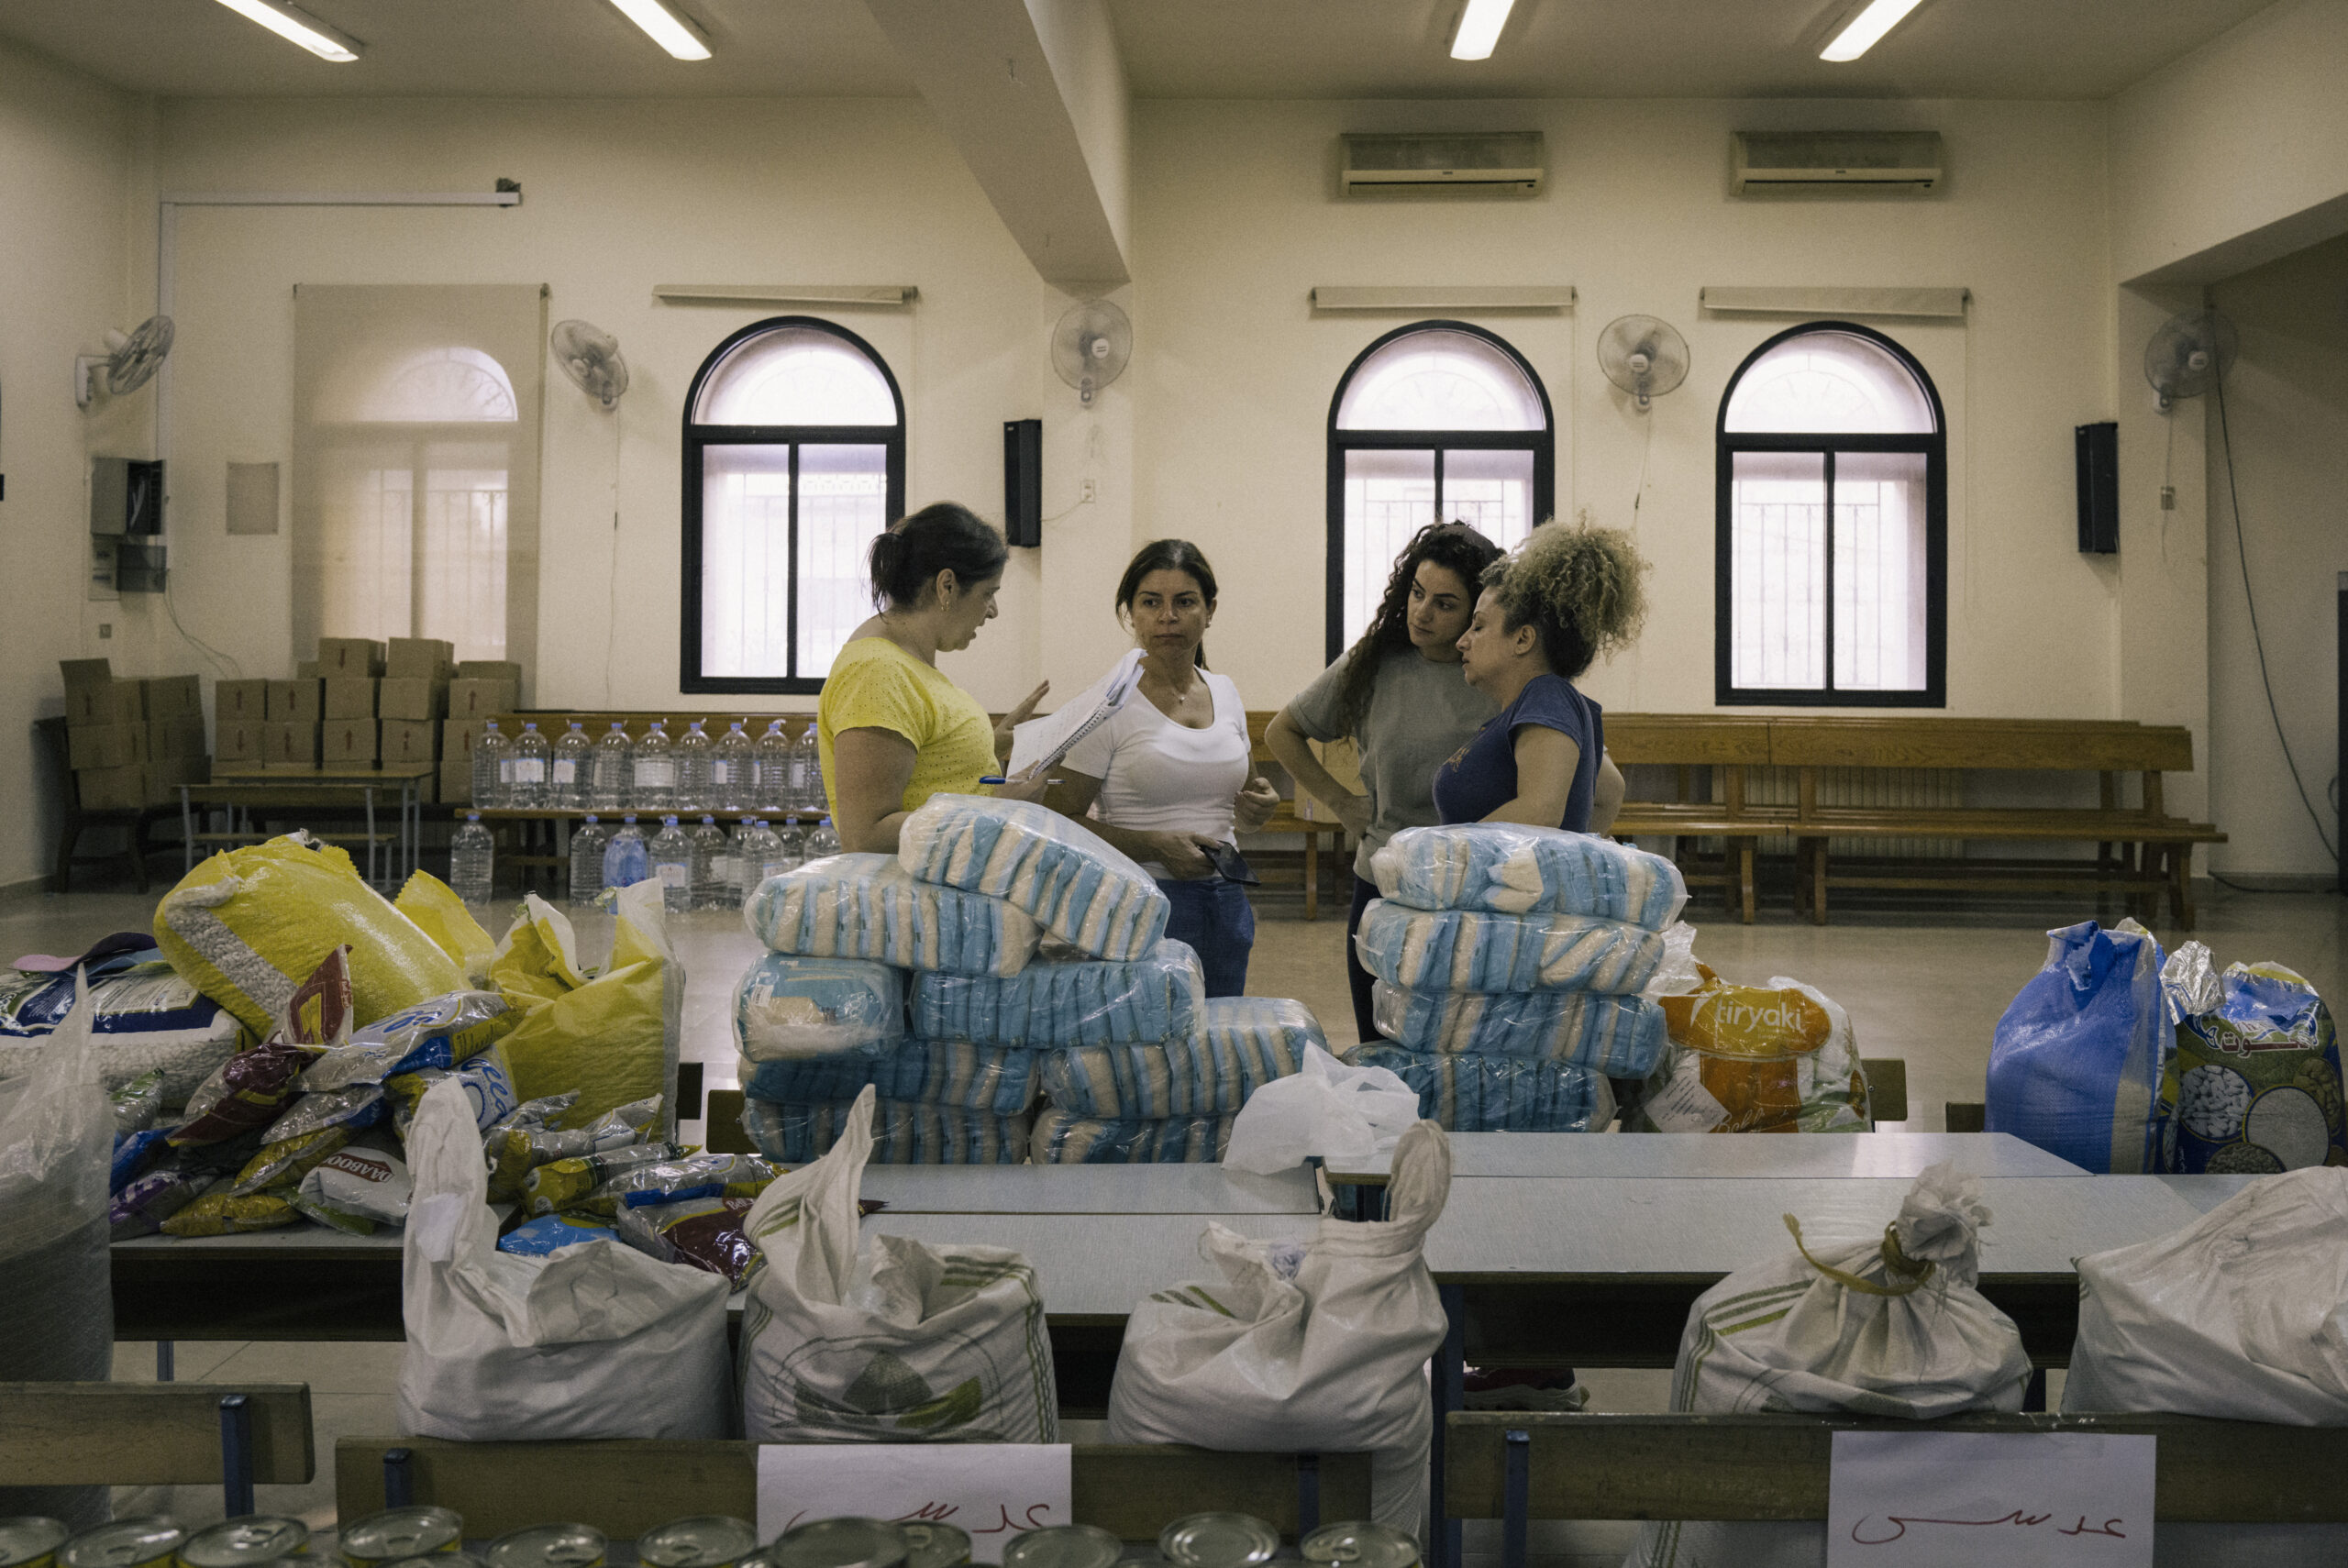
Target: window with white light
{"points": [[1437, 422], [1831, 581], [794, 462]]}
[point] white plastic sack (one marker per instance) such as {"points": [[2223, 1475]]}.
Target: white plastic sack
{"points": [[1326, 1109], [597, 1341], [1322, 1347], [1891, 1327], [892, 1341]]}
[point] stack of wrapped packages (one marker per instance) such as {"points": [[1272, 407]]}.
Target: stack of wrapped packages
{"points": [[1003, 956], [1517, 970]]}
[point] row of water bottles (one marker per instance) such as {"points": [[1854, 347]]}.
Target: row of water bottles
{"points": [[698, 868], [650, 773]]}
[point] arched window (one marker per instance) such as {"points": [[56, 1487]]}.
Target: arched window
{"points": [[1435, 420], [1832, 421], [794, 460]]}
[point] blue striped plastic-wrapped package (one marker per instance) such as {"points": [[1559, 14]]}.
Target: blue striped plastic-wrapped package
{"points": [[1498, 1094], [789, 1006], [1620, 1036], [991, 1079], [1507, 869], [1472, 950], [1063, 999], [1074, 885], [868, 906]]}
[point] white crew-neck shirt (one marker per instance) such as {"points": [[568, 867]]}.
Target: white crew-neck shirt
{"points": [[1160, 777]]}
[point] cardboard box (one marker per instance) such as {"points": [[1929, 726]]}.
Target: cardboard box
{"points": [[240, 700], [111, 788], [306, 670], [105, 746], [115, 702], [291, 747], [348, 743], [85, 674], [164, 778], [295, 702], [421, 659], [347, 697], [407, 743], [471, 699], [174, 737], [488, 669], [172, 696], [241, 743], [456, 781], [345, 657], [412, 698]]}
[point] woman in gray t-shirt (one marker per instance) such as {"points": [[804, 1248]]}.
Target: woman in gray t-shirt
{"points": [[1399, 695]]}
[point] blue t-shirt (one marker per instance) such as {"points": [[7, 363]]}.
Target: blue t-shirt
{"points": [[1481, 777]]}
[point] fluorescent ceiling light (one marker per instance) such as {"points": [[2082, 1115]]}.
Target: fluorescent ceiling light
{"points": [[1867, 29], [665, 28], [296, 25], [1480, 28]]}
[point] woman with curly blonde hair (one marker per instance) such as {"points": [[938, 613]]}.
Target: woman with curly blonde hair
{"points": [[1547, 610]]}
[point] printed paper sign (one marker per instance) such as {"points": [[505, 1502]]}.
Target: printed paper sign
{"points": [[1964, 1499], [995, 1491]]}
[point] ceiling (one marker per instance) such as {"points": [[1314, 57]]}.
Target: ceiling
{"points": [[1184, 48]]}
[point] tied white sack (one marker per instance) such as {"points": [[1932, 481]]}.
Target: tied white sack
{"points": [[892, 1341], [1892, 1327], [1325, 1108], [597, 1341], [1322, 1347]]}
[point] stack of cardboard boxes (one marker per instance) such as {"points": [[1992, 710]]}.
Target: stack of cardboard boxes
{"points": [[131, 744], [363, 704], [483, 690]]}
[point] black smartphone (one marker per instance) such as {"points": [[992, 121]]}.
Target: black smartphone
{"points": [[1230, 865]]}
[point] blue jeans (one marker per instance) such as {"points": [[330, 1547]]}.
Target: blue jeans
{"points": [[1215, 917]]}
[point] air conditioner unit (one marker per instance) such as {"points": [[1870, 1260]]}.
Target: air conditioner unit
{"points": [[1503, 163], [1775, 161]]}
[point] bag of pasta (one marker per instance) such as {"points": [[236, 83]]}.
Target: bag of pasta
{"points": [[1773, 1059]]}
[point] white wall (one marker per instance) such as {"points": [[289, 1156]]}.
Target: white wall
{"points": [[65, 153]]}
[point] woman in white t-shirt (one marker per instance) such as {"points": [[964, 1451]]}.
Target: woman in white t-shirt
{"points": [[1171, 771]]}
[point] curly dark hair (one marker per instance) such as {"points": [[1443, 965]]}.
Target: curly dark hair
{"points": [[1455, 548], [1580, 587]]}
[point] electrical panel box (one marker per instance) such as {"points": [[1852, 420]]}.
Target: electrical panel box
{"points": [[126, 496]]}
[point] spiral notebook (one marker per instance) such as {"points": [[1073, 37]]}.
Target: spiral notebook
{"points": [[1045, 742]]}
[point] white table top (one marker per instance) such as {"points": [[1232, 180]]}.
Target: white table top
{"points": [[2206, 1192], [1700, 1155], [1089, 1189]]}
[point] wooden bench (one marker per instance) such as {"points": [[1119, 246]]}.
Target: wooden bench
{"points": [[157, 1434], [623, 1488], [1699, 747], [1291, 818]]}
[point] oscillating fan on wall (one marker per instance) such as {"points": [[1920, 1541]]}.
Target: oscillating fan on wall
{"points": [[591, 358], [1091, 345], [1644, 356], [130, 360], [2188, 354]]}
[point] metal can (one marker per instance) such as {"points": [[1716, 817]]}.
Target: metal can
{"points": [[1218, 1541], [1359, 1543], [932, 1544], [1063, 1546], [396, 1533], [30, 1541], [438, 1559], [840, 1543], [248, 1542], [705, 1541], [549, 1546], [136, 1542]]}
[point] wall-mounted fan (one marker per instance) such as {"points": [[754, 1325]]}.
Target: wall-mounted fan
{"points": [[591, 358], [1644, 356], [2188, 354], [1091, 345], [130, 360]]}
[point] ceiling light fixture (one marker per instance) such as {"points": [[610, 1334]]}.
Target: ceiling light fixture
{"points": [[1480, 28], [1867, 29], [297, 26], [665, 28]]}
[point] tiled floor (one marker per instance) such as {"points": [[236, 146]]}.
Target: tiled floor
{"points": [[1925, 987]]}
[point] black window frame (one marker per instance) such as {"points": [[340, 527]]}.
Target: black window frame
{"points": [[1541, 443], [699, 437], [1934, 448]]}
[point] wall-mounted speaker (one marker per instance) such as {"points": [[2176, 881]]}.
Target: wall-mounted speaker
{"points": [[2098, 459], [1023, 482]]}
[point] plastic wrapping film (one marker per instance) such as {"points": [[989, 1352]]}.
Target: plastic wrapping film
{"points": [[1245, 1043], [1089, 896], [2253, 1087], [147, 1020], [1779, 1058], [928, 1071], [1620, 1036], [1064, 1139], [1510, 870], [1498, 1094], [868, 906], [789, 1006], [1471, 950], [1069, 1001], [903, 1133], [671, 1181]]}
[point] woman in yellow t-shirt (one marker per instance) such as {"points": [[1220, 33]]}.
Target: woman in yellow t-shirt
{"points": [[893, 730]]}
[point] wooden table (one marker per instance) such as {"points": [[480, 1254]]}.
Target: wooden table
{"points": [[244, 791]]}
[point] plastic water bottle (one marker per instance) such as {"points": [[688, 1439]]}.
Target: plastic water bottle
{"points": [[823, 841], [653, 785], [733, 778], [672, 863], [531, 763], [587, 848], [794, 840], [713, 859], [754, 849], [473, 861], [807, 771], [775, 769], [609, 775], [627, 861], [696, 760], [491, 752], [573, 754]]}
